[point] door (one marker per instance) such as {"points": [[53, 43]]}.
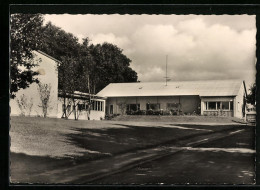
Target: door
{"points": [[111, 111]]}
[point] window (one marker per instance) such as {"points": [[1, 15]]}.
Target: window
{"points": [[132, 107], [211, 105], [97, 105], [218, 105], [225, 105], [152, 106], [101, 106]]}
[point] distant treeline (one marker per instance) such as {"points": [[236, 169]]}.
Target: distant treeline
{"points": [[83, 67]]}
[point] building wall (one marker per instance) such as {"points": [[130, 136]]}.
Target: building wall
{"points": [[189, 104], [239, 103], [47, 68], [217, 112]]}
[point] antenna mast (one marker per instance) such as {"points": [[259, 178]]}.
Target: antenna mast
{"points": [[166, 77]]}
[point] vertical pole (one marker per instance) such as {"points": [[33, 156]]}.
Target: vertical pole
{"points": [[166, 69]]}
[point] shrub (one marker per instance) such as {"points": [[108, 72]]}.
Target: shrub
{"points": [[139, 112], [129, 112], [149, 112], [166, 112], [156, 112]]}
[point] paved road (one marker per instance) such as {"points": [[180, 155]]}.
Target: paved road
{"points": [[224, 164]]}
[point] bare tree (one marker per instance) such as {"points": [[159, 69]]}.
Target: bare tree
{"points": [[24, 105], [29, 106], [45, 92]]}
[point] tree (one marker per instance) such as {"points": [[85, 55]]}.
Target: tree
{"points": [[111, 66], [25, 36], [251, 97], [45, 92], [24, 105], [69, 75], [58, 43]]}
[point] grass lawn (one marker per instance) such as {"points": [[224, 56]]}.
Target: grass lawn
{"points": [[59, 138]]}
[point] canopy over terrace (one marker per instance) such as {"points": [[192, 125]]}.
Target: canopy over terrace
{"points": [[80, 105]]}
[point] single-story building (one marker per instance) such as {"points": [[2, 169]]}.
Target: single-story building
{"points": [[208, 97]]}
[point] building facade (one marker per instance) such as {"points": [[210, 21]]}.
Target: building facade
{"points": [[213, 98], [28, 102]]}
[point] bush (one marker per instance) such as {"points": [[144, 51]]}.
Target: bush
{"points": [[166, 112], [129, 112], [140, 112], [174, 113], [149, 112], [157, 113], [154, 112], [109, 117]]}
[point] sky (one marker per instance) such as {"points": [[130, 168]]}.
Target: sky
{"points": [[199, 47]]}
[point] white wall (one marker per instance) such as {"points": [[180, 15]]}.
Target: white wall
{"points": [[238, 102], [48, 75]]}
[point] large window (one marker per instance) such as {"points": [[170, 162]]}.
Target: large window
{"points": [[152, 106], [133, 107], [225, 105], [97, 105], [219, 105], [212, 105]]}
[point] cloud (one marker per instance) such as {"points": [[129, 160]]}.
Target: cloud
{"points": [[110, 38], [196, 51], [198, 47]]}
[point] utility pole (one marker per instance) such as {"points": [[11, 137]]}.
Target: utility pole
{"points": [[166, 77]]}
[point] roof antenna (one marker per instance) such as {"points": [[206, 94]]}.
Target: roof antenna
{"points": [[166, 77]]}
